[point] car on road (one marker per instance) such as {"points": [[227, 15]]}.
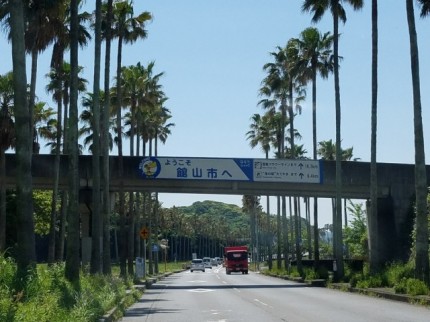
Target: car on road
{"points": [[218, 260], [207, 262], [197, 265]]}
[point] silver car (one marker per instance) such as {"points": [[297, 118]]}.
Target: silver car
{"points": [[197, 265]]}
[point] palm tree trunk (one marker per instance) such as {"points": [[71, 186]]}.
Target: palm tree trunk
{"points": [[292, 225], [107, 269], [422, 233], [97, 218], [73, 235], [32, 97], [131, 234], [59, 253], [122, 215], [308, 226], [297, 228], [278, 233], [52, 229], [2, 201], [372, 218], [269, 234], [314, 137], [337, 224], [26, 252], [285, 233]]}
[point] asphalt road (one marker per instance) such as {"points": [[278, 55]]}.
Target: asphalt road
{"points": [[214, 296]]}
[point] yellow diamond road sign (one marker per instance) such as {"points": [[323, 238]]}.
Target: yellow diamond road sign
{"points": [[144, 233]]}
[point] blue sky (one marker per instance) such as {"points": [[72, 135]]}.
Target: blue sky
{"points": [[212, 53]]}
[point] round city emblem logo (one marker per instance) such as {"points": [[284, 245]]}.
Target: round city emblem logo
{"points": [[149, 167]]}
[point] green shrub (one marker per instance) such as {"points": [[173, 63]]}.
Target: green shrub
{"points": [[416, 287], [46, 295], [370, 281], [395, 272], [294, 272], [400, 287], [310, 274], [354, 278]]}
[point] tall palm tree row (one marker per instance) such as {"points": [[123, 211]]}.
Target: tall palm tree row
{"points": [[284, 87], [128, 28], [275, 90], [318, 8], [315, 58], [66, 31]]}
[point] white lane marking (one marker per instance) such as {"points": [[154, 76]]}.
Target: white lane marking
{"points": [[237, 290], [197, 281], [200, 290], [262, 303]]}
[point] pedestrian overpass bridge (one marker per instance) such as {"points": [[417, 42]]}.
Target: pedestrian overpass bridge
{"points": [[396, 186]]}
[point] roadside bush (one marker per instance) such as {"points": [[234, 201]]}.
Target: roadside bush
{"points": [[401, 286], [294, 272], [7, 271], [396, 272], [310, 274], [48, 296], [369, 281], [411, 286], [416, 287]]}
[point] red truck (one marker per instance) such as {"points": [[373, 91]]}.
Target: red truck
{"points": [[236, 259]]}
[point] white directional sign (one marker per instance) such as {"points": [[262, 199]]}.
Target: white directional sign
{"points": [[274, 170], [260, 170]]}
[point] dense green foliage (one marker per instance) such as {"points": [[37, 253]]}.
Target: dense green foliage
{"points": [[48, 296], [355, 235], [203, 228]]}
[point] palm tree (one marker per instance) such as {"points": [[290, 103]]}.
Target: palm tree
{"points": [[107, 35], [61, 22], [97, 224], [276, 90], [373, 248], [7, 140], [86, 119], [127, 28], [72, 258], [26, 250], [43, 123], [39, 34], [318, 8], [422, 234], [59, 85], [315, 58], [260, 134]]}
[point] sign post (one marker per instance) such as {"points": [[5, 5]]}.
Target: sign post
{"points": [[144, 234]]}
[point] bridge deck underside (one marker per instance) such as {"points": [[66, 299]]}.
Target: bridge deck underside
{"points": [[355, 183]]}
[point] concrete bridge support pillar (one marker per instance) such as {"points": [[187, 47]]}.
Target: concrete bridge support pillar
{"points": [[389, 231], [381, 233]]}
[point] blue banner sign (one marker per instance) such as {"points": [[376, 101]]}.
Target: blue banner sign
{"points": [[261, 170]]}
